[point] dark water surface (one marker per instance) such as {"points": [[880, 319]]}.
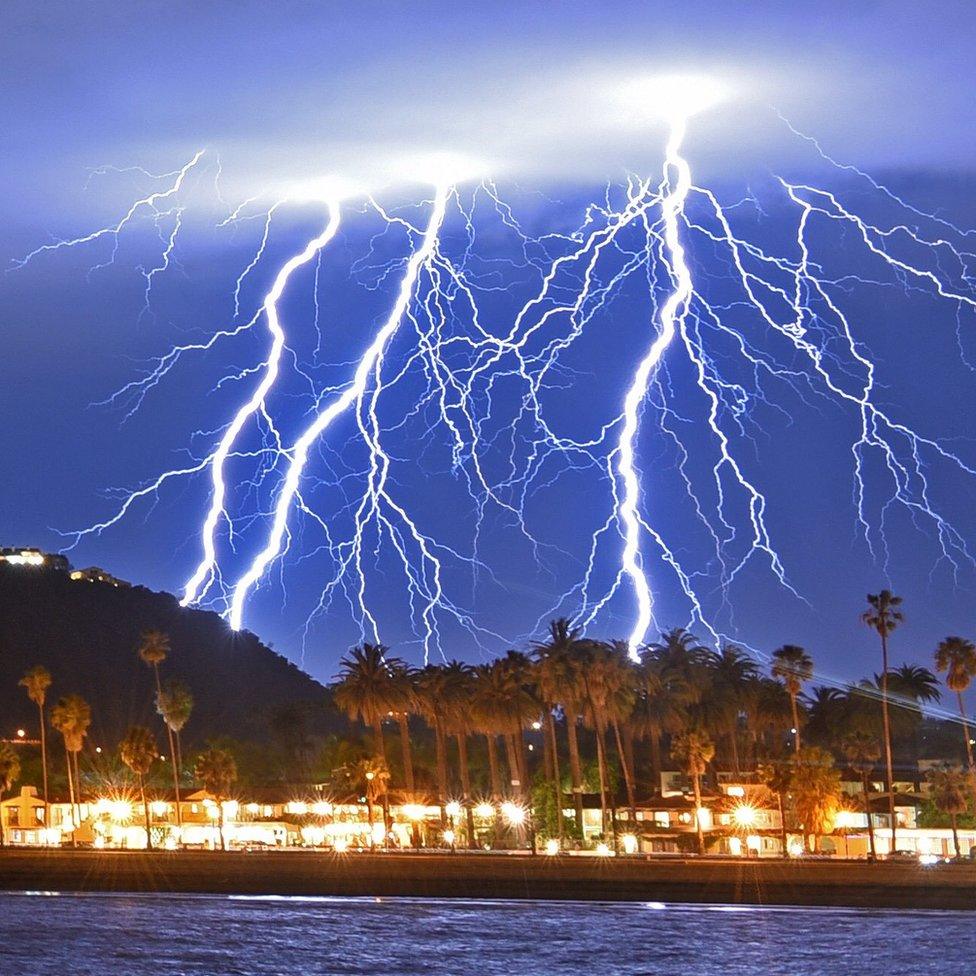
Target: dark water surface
{"points": [[166, 935]]}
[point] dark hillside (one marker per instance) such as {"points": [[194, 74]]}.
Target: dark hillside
{"points": [[87, 634]]}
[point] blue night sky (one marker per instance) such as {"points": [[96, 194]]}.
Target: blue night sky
{"points": [[295, 92]]}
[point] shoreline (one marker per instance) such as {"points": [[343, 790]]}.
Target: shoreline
{"points": [[496, 876]]}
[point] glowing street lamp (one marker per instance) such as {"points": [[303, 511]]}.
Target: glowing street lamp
{"points": [[745, 815]]}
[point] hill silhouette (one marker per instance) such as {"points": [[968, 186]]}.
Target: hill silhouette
{"points": [[87, 635]]}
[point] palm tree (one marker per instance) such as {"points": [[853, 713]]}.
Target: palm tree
{"points": [[153, 650], [490, 709], [863, 752], [403, 694], [661, 707], [516, 669], [883, 616], [777, 776], [957, 657], [372, 776], [816, 792], [138, 751], [949, 793], [433, 695], [558, 670], [9, 774], [459, 688], [792, 665], [366, 690], [732, 673], [217, 770], [71, 716], [37, 681], [695, 750], [175, 704]]}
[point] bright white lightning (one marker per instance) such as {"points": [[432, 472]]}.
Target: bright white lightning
{"points": [[201, 579], [677, 180], [785, 324], [370, 363]]}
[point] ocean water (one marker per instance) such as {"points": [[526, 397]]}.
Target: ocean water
{"points": [[166, 935]]}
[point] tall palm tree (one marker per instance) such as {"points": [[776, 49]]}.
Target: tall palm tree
{"points": [[516, 667], [175, 704], [957, 657], [490, 713], [543, 675], [793, 666], [695, 750], [71, 716], [37, 680], [777, 776], [138, 751], [153, 649], [661, 707], [217, 770], [9, 774], [863, 752], [403, 698], [365, 690], [559, 681], [433, 696], [732, 673], [371, 775], [884, 616], [949, 793], [459, 688]]}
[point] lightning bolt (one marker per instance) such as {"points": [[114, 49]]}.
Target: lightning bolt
{"points": [[482, 317]]}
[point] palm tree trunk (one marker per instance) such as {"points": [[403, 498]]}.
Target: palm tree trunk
{"points": [[512, 755], [955, 835], [887, 738], [969, 745], [179, 769], [696, 779], [223, 843], [734, 741], [441, 749], [172, 745], [655, 741], [74, 755], [796, 723], [145, 811], [601, 766], [493, 771], [784, 839], [379, 746], [404, 720], [40, 712], [628, 775], [867, 810], [557, 779], [71, 791], [3, 842], [462, 744], [575, 769]]}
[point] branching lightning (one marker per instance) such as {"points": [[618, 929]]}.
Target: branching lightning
{"points": [[472, 353]]}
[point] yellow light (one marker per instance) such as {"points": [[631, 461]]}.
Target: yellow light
{"points": [[847, 819], [738, 791], [552, 847], [120, 810], [603, 850], [321, 808], [735, 846], [453, 809], [536, 726], [297, 807], [159, 808], [754, 842], [449, 837], [795, 848], [630, 843], [513, 813], [745, 815], [341, 845], [21, 733], [231, 808], [484, 810], [170, 843], [378, 831], [253, 809], [413, 811]]}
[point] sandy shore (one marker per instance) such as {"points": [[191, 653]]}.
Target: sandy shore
{"points": [[895, 885]]}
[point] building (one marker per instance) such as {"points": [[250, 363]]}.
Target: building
{"points": [[19, 557], [94, 574]]}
